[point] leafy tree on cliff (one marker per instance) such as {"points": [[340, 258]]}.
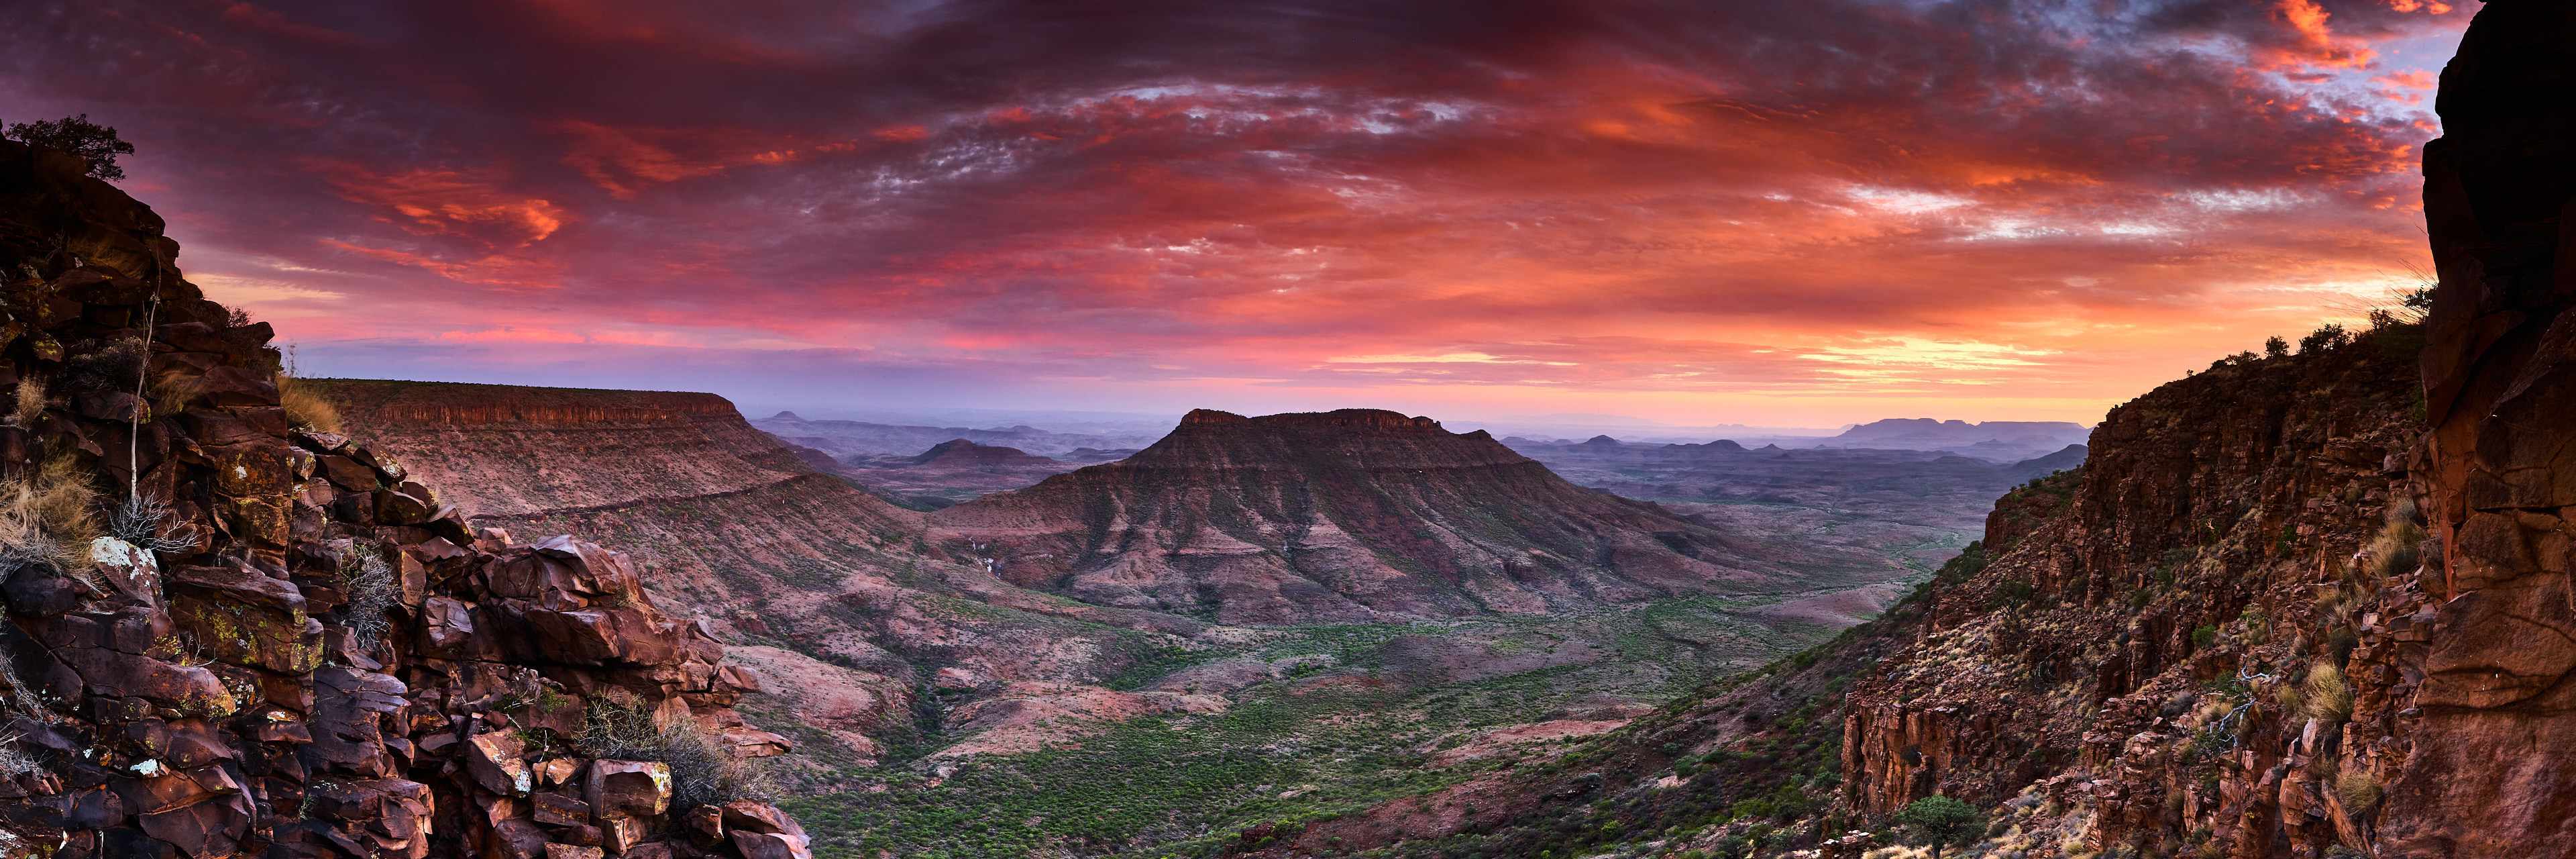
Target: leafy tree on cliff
{"points": [[1940, 821], [78, 136]]}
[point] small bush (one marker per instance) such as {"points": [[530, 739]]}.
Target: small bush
{"points": [[143, 521], [2203, 636], [702, 773], [371, 591], [100, 368], [306, 408], [2329, 698], [14, 760]]}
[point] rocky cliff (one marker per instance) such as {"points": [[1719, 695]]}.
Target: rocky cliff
{"points": [[228, 635], [2477, 771], [2127, 653], [1349, 515]]}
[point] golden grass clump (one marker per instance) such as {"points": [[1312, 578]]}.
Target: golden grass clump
{"points": [[31, 403], [2399, 546], [2357, 791], [49, 516], [172, 390], [305, 407], [2329, 698]]}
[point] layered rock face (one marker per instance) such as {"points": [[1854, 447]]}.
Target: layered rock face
{"points": [[823, 583], [309, 653], [2488, 725], [1347, 515]]}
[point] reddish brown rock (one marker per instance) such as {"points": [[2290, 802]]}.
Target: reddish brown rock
{"points": [[628, 788], [2480, 773]]}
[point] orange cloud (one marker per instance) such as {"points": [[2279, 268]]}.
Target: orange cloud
{"points": [[448, 202]]}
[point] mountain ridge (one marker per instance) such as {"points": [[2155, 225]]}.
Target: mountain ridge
{"points": [[1190, 524]]}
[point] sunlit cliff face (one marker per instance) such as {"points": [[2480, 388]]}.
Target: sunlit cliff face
{"points": [[1754, 212]]}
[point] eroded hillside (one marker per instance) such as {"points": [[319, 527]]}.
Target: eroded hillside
{"points": [[1348, 515]]}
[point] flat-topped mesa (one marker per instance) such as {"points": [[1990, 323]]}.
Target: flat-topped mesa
{"points": [[1373, 420], [1354, 514], [522, 453], [963, 452], [1349, 438], [461, 404]]}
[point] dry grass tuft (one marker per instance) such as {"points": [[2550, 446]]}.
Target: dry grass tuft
{"points": [[173, 390], [2329, 698], [2399, 546], [31, 403], [101, 367], [49, 517], [2357, 791], [306, 408], [372, 591]]}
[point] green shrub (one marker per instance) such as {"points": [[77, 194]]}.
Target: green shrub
{"points": [[1939, 821]]}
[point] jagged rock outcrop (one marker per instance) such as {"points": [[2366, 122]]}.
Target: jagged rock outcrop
{"points": [[1348, 515], [2123, 636], [309, 653], [2489, 721]]}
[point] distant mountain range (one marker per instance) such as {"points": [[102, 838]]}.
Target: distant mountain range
{"points": [[1998, 441], [1992, 441]]}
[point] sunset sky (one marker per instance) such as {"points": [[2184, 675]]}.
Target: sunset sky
{"points": [[1782, 213]]}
